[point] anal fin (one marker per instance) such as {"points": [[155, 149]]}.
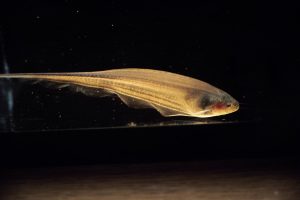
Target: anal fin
{"points": [[137, 103], [134, 102], [168, 112]]}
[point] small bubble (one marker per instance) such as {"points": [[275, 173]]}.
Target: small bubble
{"points": [[132, 124], [37, 17], [77, 11], [112, 25]]}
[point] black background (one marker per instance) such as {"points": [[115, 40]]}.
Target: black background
{"points": [[250, 49]]}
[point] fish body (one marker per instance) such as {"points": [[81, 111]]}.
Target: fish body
{"points": [[169, 93]]}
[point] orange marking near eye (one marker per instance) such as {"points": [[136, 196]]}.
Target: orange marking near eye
{"points": [[219, 106]]}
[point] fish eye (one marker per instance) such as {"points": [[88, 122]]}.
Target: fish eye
{"points": [[228, 105], [205, 101]]}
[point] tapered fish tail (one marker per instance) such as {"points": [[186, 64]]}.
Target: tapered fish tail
{"points": [[24, 75], [7, 76], [49, 80], [56, 77]]}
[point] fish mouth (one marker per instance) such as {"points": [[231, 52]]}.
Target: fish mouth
{"points": [[235, 107]]}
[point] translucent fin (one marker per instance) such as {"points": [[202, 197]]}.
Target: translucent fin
{"points": [[47, 83], [166, 112], [137, 103], [133, 102], [88, 91]]}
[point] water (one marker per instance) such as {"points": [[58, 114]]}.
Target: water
{"points": [[38, 108], [209, 41]]}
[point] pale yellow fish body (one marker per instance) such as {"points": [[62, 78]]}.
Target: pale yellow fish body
{"points": [[169, 93]]}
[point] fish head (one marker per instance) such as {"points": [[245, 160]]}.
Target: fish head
{"points": [[210, 105]]}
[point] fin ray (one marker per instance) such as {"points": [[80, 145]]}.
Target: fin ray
{"points": [[137, 104], [166, 112], [73, 87], [134, 102]]}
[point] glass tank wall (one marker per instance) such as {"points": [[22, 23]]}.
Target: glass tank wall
{"points": [[212, 42]]}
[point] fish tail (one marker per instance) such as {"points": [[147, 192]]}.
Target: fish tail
{"points": [[32, 76], [57, 77]]}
